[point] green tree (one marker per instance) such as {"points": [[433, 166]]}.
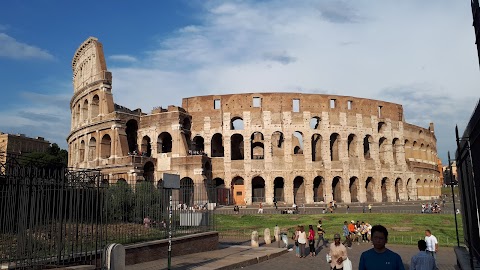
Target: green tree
{"points": [[54, 157]]}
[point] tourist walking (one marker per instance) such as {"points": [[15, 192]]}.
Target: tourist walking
{"points": [[422, 260], [432, 244], [302, 241], [295, 238], [379, 257], [338, 253], [311, 240], [346, 233], [260, 208], [320, 232]]}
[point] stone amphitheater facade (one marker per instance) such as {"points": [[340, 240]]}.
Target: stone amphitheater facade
{"points": [[255, 147]]}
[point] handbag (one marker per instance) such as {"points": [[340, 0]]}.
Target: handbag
{"points": [[347, 264], [296, 243]]}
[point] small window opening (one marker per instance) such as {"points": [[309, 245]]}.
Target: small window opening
{"points": [[349, 104], [332, 103], [257, 102], [296, 105], [380, 111], [217, 104]]}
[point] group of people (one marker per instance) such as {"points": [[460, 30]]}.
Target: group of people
{"points": [[431, 208], [302, 238], [378, 257], [356, 232], [381, 258]]}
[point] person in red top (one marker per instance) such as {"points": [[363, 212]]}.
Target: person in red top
{"points": [[351, 229], [311, 240]]}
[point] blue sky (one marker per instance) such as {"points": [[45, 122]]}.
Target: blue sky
{"points": [[420, 54]]}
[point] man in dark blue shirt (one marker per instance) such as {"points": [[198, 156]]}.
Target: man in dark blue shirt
{"points": [[380, 257]]}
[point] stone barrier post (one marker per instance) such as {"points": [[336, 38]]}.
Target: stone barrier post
{"points": [[255, 239], [267, 237]]}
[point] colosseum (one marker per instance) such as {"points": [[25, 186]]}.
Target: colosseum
{"points": [[255, 147]]}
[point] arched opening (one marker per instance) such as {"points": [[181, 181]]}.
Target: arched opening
{"points": [[423, 154], [415, 150], [431, 188], [82, 151], [334, 147], [238, 190], [131, 130], [258, 189], [236, 147], [315, 122], [297, 143], [352, 146], [95, 106], [398, 188], [370, 189], [354, 188], [384, 187], [298, 190], [221, 191], [426, 190], [337, 189], [148, 171], [395, 150], [367, 141], [198, 145], [164, 143], [318, 190], [382, 150], [92, 149], [277, 143], [408, 150], [106, 146], [236, 123], [85, 111], [217, 145], [381, 127], [410, 189], [316, 147], [78, 118], [278, 192], [186, 191], [146, 146], [256, 145]]}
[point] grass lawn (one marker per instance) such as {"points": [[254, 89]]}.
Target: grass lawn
{"points": [[402, 228]]}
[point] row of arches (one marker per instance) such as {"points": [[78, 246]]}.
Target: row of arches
{"points": [[85, 110], [351, 190]]}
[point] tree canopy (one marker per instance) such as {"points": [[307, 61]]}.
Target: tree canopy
{"points": [[53, 157]]}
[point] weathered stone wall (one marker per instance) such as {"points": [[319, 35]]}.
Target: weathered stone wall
{"points": [[302, 148]]}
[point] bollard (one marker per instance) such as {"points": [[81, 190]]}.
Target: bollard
{"points": [[254, 241], [276, 233], [267, 237], [115, 257]]}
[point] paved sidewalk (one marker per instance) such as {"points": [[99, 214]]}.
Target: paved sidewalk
{"points": [[273, 258], [230, 257]]}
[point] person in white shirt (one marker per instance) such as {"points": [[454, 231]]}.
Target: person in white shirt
{"points": [[432, 244]]}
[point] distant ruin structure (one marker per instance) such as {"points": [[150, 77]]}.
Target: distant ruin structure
{"points": [[255, 147]]}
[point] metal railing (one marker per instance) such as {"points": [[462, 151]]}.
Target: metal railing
{"points": [[51, 215], [467, 161]]}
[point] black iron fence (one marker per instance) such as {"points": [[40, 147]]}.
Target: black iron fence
{"points": [[468, 169], [51, 215], [139, 211]]}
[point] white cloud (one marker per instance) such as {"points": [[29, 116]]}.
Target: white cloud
{"points": [[123, 58], [346, 48], [11, 48]]}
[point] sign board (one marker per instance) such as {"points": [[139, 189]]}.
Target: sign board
{"points": [[171, 181]]}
